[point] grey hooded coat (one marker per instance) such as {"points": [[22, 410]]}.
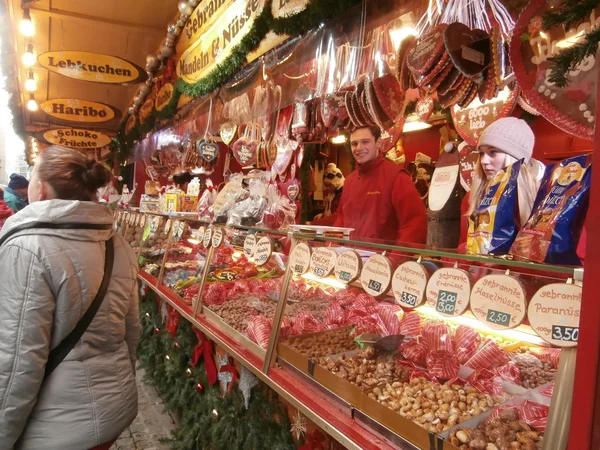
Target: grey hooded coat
{"points": [[48, 279]]}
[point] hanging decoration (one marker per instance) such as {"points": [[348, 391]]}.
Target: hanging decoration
{"points": [[228, 374], [299, 426], [247, 382], [205, 350], [172, 320]]}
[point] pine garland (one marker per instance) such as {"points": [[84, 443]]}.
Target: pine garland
{"points": [[570, 15], [264, 425]]}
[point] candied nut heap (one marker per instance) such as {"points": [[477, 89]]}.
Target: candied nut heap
{"points": [[323, 344]]}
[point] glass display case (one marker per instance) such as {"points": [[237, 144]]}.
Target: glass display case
{"points": [[418, 345]]}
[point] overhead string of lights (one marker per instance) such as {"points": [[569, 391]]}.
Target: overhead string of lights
{"points": [[27, 29]]}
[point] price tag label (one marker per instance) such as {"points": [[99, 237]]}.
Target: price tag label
{"points": [[154, 221], [498, 318], [249, 244], [299, 260], [376, 275], [200, 233], [448, 291], [322, 262], [446, 302], [348, 266], [207, 238], [499, 301], [554, 312], [143, 220], [409, 283], [147, 232], [262, 253], [130, 219], [137, 220], [217, 238], [181, 229], [168, 226]]}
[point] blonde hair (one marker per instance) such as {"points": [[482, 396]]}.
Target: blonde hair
{"points": [[527, 185]]}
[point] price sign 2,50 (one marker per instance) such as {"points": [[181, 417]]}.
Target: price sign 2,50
{"points": [[562, 333], [498, 317], [446, 302]]}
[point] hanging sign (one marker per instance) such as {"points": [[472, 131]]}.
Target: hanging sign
{"points": [[207, 238], [554, 312], [499, 301], [130, 124], [217, 238], [476, 117], [376, 275], [448, 291], [468, 160], [263, 250], [75, 110], [75, 138], [218, 41], [94, 67], [409, 284], [200, 233], [348, 266], [322, 262], [208, 150], [299, 261], [205, 14], [146, 110], [249, 245], [571, 108], [284, 8], [163, 98]]}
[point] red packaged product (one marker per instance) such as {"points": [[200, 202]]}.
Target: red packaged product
{"points": [[366, 303], [334, 316], [442, 365], [437, 336], [486, 381], [548, 391], [259, 330], [490, 355], [286, 328], [415, 351], [304, 323], [509, 372], [466, 341], [411, 324], [551, 355], [216, 293], [369, 324], [390, 315]]}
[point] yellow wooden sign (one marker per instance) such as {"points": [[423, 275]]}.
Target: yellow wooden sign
{"points": [[164, 96], [283, 8], [75, 110], [218, 41], [205, 14], [146, 109], [76, 138], [94, 67]]}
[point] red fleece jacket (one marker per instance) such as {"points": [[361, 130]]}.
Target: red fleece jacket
{"points": [[5, 212], [381, 203]]}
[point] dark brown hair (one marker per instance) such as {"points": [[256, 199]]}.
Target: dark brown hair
{"points": [[72, 175], [375, 131]]}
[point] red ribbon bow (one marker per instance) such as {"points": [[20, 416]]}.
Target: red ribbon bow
{"points": [[205, 349], [234, 373], [172, 320], [314, 441]]}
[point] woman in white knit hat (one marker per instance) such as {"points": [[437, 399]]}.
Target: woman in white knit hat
{"points": [[504, 142]]}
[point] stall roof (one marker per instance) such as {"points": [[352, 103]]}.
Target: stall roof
{"points": [[128, 29]]}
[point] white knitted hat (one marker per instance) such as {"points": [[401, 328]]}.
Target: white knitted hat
{"points": [[511, 135]]}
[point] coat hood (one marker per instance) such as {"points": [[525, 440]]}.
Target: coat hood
{"points": [[64, 212]]}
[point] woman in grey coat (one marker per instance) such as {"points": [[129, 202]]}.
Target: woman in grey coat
{"points": [[48, 278]]}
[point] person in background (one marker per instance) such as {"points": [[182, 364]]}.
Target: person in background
{"points": [[15, 194], [379, 199], [5, 211], [182, 180], [48, 280]]}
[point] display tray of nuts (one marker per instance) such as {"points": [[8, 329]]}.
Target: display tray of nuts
{"points": [[324, 343]]}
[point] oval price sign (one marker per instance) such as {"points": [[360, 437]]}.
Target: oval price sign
{"points": [[376, 275], [409, 284], [249, 245], [448, 291], [299, 261], [262, 253], [348, 266], [207, 238], [499, 301], [217, 238], [322, 262]]}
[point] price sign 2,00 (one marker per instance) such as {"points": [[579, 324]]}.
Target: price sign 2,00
{"points": [[446, 302]]}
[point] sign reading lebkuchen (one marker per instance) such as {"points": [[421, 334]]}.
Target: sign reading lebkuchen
{"points": [[75, 138], [94, 67], [218, 41], [74, 110], [164, 96]]}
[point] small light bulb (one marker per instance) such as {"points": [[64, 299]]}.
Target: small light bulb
{"points": [[30, 83], [32, 104], [29, 57], [26, 26]]}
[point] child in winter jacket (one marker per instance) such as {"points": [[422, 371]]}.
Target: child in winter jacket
{"points": [[5, 211]]}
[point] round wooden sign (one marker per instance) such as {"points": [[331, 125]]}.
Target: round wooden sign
{"points": [[376, 275], [200, 233], [300, 257], [217, 238], [263, 250], [143, 220], [448, 291], [322, 262], [409, 284], [348, 266], [554, 313], [499, 301], [180, 230], [249, 245], [168, 226], [207, 238]]}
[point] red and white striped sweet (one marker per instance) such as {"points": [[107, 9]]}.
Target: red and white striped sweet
{"points": [[415, 351], [390, 315], [548, 391], [437, 335], [411, 324], [305, 322], [467, 341], [551, 355], [369, 324], [259, 330], [442, 364], [509, 372], [490, 355]]}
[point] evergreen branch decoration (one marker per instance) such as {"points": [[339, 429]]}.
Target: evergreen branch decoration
{"points": [[571, 14], [569, 59]]}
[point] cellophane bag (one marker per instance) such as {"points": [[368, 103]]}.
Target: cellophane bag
{"points": [[493, 225], [206, 202], [249, 211], [552, 232], [280, 211]]}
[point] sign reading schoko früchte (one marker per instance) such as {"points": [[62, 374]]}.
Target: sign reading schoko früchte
{"points": [[94, 67], [74, 138]]}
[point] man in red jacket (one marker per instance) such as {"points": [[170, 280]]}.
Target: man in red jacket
{"points": [[380, 200]]}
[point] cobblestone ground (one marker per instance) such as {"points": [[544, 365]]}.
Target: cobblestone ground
{"points": [[152, 423]]}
